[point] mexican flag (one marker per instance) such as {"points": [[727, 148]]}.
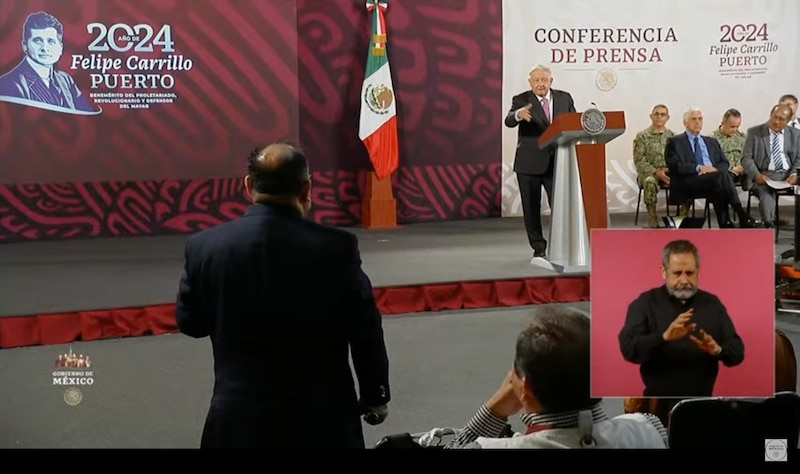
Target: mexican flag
{"points": [[378, 125]]}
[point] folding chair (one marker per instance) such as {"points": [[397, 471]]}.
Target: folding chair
{"points": [[778, 193], [711, 423]]}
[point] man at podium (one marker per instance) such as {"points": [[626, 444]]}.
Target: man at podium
{"points": [[533, 111]]}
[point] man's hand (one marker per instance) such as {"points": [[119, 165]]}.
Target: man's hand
{"points": [[662, 176], [525, 113], [681, 327], [706, 343], [792, 180], [737, 170], [707, 170], [760, 179], [505, 402], [376, 415]]}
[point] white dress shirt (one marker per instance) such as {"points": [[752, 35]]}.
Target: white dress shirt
{"points": [[549, 112]]}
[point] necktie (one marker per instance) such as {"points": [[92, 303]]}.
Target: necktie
{"points": [[546, 108], [698, 153], [776, 153]]}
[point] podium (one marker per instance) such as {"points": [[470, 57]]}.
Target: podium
{"points": [[580, 202]]}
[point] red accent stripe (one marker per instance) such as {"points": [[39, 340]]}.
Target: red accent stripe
{"points": [[538, 428], [383, 148]]}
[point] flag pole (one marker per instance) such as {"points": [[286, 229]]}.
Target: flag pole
{"points": [[378, 126]]}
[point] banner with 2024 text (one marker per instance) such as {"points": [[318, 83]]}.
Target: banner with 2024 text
{"points": [[117, 90], [630, 55]]}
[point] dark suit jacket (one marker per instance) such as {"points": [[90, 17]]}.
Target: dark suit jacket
{"points": [[23, 82], [283, 300], [529, 158], [682, 164], [757, 153]]}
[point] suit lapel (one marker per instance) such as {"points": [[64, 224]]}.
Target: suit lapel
{"points": [[684, 142], [765, 139]]}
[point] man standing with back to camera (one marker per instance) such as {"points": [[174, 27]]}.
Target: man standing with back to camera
{"points": [[284, 301], [677, 333], [533, 111]]}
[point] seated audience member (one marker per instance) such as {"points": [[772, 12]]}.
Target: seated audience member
{"points": [[550, 383], [771, 152], [698, 167], [791, 101], [785, 381], [731, 140], [648, 157]]}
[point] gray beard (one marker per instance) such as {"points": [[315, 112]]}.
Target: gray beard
{"points": [[682, 294]]}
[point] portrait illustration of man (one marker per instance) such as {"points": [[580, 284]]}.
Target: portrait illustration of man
{"points": [[677, 333], [35, 81]]}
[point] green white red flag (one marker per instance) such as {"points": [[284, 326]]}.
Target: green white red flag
{"points": [[378, 123]]}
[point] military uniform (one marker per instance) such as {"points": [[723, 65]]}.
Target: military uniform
{"points": [[648, 157], [732, 146]]}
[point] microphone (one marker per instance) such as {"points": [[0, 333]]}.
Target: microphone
{"points": [[592, 103]]}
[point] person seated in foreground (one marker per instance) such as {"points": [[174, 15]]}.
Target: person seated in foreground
{"points": [[550, 382]]}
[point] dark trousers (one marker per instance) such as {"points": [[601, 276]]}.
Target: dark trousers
{"points": [[530, 191], [719, 189]]}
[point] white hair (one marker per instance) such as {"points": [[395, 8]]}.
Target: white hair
{"points": [[691, 111], [540, 67]]}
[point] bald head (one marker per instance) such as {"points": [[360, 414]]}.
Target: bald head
{"points": [[779, 117], [278, 169], [278, 173]]}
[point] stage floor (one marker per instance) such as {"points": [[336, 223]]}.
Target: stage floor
{"points": [[79, 275]]}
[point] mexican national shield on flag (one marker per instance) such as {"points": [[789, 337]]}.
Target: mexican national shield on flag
{"points": [[378, 126]]}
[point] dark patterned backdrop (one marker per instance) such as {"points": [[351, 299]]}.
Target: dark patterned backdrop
{"points": [[446, 63]]}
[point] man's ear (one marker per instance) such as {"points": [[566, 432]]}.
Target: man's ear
{"points": [[248, 184], [527, 393], [305, 191]]}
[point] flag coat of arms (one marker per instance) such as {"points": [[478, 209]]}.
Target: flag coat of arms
{"points": [[378, 122]]}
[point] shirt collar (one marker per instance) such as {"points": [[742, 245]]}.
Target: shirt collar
{"points": [[567, 419], [549, 97]]}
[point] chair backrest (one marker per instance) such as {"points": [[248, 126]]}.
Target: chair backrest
{"points": [[785, 364], [709, 423]]}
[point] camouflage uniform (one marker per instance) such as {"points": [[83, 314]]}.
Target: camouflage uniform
{"points": [[648, 157], [732, 146]]}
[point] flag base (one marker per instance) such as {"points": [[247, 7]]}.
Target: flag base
{"points": [[379, 209]]}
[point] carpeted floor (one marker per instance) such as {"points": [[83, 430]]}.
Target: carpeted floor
{"points": [[152, 392]]}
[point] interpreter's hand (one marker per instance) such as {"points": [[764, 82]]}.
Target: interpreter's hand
{"points": [[706, 343], [505, 402], [680, 327], [662, 176], [525, 113]]}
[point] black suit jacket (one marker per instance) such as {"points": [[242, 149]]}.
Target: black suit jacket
{"points": [[284, 301], [529, 158], [681, 163]]}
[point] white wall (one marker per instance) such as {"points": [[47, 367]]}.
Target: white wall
{"points": [[681, 70]]}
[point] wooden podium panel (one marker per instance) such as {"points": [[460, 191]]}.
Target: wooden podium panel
{"points": [[592, 167]]}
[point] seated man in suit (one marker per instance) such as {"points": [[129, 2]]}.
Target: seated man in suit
{"points": [[771, 151], [698, 167]]}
